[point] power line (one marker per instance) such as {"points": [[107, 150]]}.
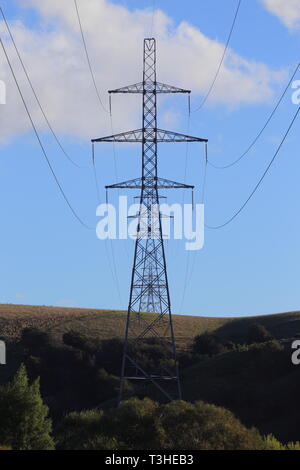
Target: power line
{"points": [[187, 261], [205, 176], [115, 161], [113, 270], [41, 144], [261, 179], [111, 123], [88, 57], [222, 60], [116, 176], [189, 278], [35, 94], [113, 146], [262, 130], [95, 174]]}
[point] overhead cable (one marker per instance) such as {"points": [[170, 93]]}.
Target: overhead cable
{"points": [[221, 61], [216, 227], [263, 128], [35, 94], [41, 144], [88, 58]]}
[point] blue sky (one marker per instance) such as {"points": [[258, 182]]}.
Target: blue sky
{"points": [[250, 267]]}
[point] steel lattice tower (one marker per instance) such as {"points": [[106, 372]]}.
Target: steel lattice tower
{"points": [[149, 284]]}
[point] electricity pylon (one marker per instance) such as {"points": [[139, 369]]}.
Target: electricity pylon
{"points": [[149, 290]]}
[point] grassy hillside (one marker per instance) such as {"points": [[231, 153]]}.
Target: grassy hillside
{"points": [[105, 324], [102, 324]]}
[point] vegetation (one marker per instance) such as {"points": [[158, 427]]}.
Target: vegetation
{"points": [[24, 422], [237, 372], [210, 344], [144, 424], [258, 334]]}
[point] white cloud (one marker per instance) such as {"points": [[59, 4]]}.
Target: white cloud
{"points": [[56, 62], [288, 11]]}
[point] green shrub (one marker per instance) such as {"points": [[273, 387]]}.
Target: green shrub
{"points": [[271, 443], [76, 429], [201, 426], [34, 341], [134, 424], [293, 446], [143, 424], [209, 344], [79, 341], [258, 334]]}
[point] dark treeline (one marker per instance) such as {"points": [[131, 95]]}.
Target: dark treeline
{"points": [[253, 383]]}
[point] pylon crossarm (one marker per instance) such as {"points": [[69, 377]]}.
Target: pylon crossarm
{"points": [[156, 183], [130, 184], [149, 135], [163, 88], [162, 183], [130, 136], [169, 136], [136, 88], [149, 87]]}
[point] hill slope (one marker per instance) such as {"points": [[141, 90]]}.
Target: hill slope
{"points": [[110, 323], [100, 324]]}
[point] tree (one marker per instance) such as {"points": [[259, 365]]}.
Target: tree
{"points": [[258, 334], [76, 428], [208, 343], [202, 426], [84, 431], [79, 341], [24, 424], [35, 341], [133, 424]]}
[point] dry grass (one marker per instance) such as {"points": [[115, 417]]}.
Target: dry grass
{"points": [[103, 324], [95, 323]]}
